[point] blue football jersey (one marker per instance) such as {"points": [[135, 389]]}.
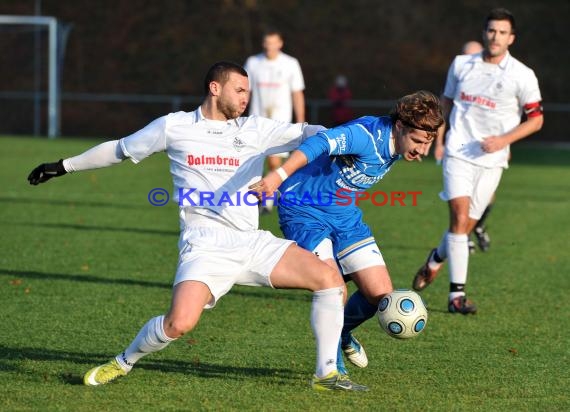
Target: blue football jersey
{"points": [[342, 161]]}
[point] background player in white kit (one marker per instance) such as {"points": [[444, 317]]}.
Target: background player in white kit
{"points": [[277, 89], [485, 96], [479, 231], [214, 150], [470, 47]]}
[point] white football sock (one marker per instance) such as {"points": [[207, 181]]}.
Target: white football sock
{"points": [[441, 252], [458, 256], [453, 295], [151, 338], [327, 314]]}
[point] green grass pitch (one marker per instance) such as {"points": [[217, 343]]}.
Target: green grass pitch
{"points": [[85, 260]]}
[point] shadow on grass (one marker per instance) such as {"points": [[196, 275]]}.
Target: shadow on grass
{"points": [[36, 225], [81, 278], [10, 356], [69, 202], [243, 291]]}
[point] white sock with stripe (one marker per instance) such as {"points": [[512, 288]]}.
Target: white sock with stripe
{"points": [[458, 256], [327, 313], [151, 338]]}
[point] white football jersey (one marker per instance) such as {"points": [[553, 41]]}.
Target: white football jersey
{"points": [[272, 82], [213, 162], [488, 100]]}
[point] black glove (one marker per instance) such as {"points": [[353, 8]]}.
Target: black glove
{"points": [[46, 171]]}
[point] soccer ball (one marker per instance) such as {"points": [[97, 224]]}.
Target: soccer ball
{"points": [[402, 314]]}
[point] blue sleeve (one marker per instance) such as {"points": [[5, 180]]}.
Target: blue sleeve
{"points": [[352, 138], [314, 146]]}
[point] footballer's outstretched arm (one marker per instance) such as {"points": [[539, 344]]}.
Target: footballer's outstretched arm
{"points": [[273, 180], [102, 155], [308, 151]]}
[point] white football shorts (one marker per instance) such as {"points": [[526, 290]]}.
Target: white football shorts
{"points": [[221, 257], [361, 255], [462, 178], [324, 249]]}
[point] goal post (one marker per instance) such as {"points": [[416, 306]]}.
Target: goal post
{"points": [[53, 69]]}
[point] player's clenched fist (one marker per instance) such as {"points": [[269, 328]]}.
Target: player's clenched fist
{"points": [[46, 171]]}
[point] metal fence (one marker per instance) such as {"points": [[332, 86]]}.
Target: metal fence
{"points": [[318, 110]]}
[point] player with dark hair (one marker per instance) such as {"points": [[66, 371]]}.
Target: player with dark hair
{"points": [[485, 96], [214, 151], [318, 207], [479, 231]]}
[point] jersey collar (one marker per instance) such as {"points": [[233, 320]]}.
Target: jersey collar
{"points": [[503, 63], [199, 114], [392, 145], [200, 117]]}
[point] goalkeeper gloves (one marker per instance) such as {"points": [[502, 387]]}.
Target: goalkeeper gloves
{"points": [[46, 171]]}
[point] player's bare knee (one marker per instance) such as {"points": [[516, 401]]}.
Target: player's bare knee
{"points": [[459, 223], [322, 277], [374, 298], [176, 327], [329, 278]]}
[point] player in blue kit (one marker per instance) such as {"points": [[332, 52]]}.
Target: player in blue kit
{"points": [[318, 207]]}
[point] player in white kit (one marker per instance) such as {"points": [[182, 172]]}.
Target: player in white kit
{"points": [[479, 231], [214, 156], [485, 96], [277, 89], [277, 82]]}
